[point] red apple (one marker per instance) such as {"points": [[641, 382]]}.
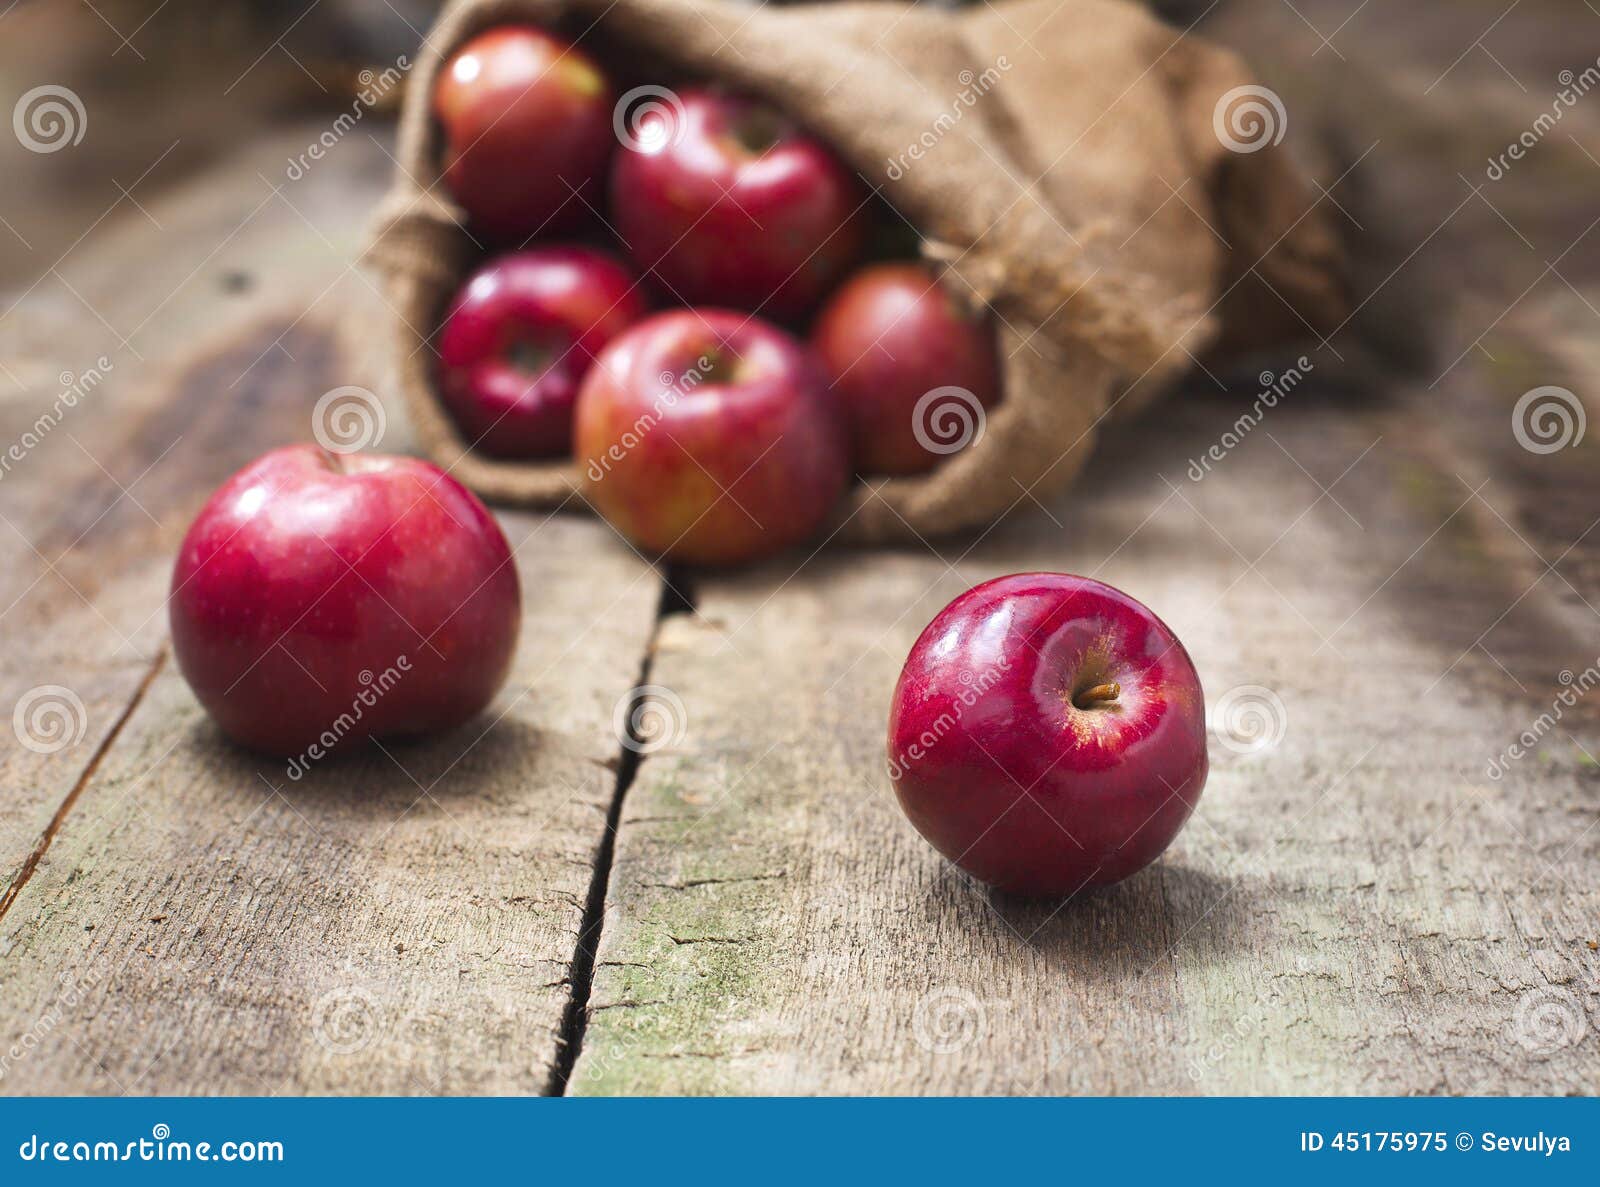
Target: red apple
{"points": [[527, 121], [519, 339], [727, 201], [888, 337], [321, 598], [708, 436], [1048, 733]]}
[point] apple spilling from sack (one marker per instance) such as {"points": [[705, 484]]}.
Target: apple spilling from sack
{"points": [[699, 223], [720, 372]]}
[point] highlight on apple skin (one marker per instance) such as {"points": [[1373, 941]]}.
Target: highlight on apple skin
{"points": [[346, 595], [710, 437], [519, 338], [888, 337], [526, 122], [730, 203], [1048, 734]]}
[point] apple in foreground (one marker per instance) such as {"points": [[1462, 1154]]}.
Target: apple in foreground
{"points": [[1048, 733], [729, 202], [710, 437], [526, 118], [518, 340], [887, 338], [321, 598]]}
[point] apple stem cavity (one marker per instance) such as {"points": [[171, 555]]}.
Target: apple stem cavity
{"points": [[719, 365], [1097, 695], [759, 131], [530, 358]]}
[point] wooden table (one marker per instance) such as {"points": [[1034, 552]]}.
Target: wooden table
{"points": [[525, 906]]}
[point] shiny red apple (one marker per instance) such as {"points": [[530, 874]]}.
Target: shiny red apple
{"points": [[709, 436], [1048, 733], [518, 340], [889, 336], [322, 598], [729, 202], [527, 129]]}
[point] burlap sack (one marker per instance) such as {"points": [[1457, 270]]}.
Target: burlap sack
{"points": [[1065, 158]]}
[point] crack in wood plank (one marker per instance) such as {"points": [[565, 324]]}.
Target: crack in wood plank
{"points": [[31, 862]]}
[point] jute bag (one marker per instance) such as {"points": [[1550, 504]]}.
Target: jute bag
{"points": [[1109, 186]]}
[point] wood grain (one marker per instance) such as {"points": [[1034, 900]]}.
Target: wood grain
{"points": [[1362, 907], [1359, 909], [398, 923], [127, 403]]}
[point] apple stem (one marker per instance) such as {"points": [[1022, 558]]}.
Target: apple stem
{"points": [[331, 459], [1100, 694]]}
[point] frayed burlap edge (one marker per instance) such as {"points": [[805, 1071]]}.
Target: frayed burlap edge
{"points": [[1084, 334]]}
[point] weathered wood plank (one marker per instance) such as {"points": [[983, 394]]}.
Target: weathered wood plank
{"points": [[1357, 910], [396, 921], [127, 402], [399, 922], [1361, 908]]}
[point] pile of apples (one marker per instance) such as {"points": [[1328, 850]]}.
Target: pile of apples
{"points": [[1047, 732], [725, 429]]}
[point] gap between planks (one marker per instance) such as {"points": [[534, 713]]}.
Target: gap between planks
{"points": [[31, 862], [677, 597]]}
